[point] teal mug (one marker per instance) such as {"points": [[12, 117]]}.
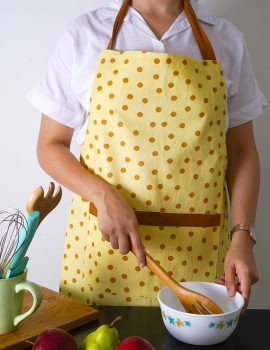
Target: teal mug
{"points": [[11, 301]]}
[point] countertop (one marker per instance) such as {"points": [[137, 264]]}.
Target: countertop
{"points": [[251, 333]]}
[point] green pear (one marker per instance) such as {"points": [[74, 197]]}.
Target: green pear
{"points": [[106, 337]]}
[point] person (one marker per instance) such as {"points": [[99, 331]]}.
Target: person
{"points": [[165, 128]]}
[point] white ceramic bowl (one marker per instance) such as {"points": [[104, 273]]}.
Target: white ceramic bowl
{"points": [[201, 329]]}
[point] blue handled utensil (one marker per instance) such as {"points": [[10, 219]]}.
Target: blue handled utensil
{"points": [[18, 269], [19, 260]]}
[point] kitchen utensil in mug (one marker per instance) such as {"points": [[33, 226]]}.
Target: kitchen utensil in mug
{"points": [[44, 204], [193, 302], [12, 222], [11, 301], [19, 255]]}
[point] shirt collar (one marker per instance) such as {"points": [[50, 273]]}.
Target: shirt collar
{"points": [[114, 6]]}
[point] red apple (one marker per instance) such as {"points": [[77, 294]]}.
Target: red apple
{"points": [[134, 343], [55, 339]]}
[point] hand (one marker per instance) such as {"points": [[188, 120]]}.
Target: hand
{"points": [[240, 267], [118, 223]]}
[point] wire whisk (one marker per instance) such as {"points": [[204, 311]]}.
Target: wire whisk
{"points": [[12, 221]]}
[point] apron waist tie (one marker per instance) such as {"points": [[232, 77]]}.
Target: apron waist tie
{"points": [[170, 219]]}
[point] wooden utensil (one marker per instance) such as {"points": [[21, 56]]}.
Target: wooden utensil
{"points": [[44, 204], [193, 302]]}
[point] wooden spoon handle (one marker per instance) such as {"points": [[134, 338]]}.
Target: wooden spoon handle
{"points": [[162, 274]]}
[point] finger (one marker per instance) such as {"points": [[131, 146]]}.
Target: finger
{"points": [[230, 280], [220, 281], [114, 241], [137, 248], [245, 288], [123, 242]]}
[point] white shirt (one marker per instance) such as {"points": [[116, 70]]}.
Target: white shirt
{"points": [[63, 91]]}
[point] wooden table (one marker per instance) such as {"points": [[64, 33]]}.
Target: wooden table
{"points": [[251, 333]]}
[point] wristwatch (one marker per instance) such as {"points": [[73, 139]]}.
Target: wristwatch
{"points": [[244, 227]]}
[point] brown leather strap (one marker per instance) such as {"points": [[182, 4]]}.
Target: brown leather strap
{"points": [[204, 44], [171, 219]]}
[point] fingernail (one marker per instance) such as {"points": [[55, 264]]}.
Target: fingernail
{"points": [[142, 265], [230, 292]]}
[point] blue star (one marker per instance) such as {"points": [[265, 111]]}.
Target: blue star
{"points": [[212, 325], [229, 323], [171, 320], [187, 323]]}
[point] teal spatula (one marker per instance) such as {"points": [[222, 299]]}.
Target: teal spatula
{"points": [[19, 261]]}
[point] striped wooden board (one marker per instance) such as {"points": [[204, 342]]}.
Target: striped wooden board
{"points": [[55, 311]]}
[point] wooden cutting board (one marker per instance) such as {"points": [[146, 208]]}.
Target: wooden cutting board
{"points": [[56, 310]]}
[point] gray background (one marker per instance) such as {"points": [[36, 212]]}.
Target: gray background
{"points": [[29, 31]]}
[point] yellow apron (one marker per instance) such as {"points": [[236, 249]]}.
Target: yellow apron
{"points": [[157, 133]]}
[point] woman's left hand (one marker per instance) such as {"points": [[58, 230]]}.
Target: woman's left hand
{"points": [[240, 267]]}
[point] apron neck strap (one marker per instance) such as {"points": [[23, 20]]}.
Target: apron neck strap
{"points": [[203, 42]]}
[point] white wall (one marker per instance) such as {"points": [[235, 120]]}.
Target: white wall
{"points": [[29, 30]]}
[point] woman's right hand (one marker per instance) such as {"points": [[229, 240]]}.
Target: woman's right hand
{"points": [[118, 223]]}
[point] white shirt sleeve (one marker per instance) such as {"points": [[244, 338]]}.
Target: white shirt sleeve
{"points": [[245, 101], [53, 94]]}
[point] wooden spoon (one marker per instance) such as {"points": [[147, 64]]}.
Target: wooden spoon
{"points": [[44, 204], [193, 302]]}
